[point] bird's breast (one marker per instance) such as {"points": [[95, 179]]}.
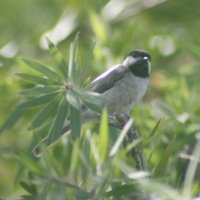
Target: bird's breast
{"points": [[125, 93]]}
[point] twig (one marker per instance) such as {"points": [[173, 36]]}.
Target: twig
{"points": [[119, 120]]}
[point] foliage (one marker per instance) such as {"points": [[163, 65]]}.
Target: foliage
{"points": [[92, 163]]}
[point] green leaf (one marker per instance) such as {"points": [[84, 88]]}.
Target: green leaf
{"points": [[161, 167], [46, 71], [121, 137], [73, 99], [152, 133], [98, 26], [44, 193], [8, 60], [12, 119], [45, 114], [94, 149], [42, 131], [29, 162], [167, 109], [40, 136], [190, 173], [103, 136], [40, 90], [93, 106], [58, 57], [164, 191], [133, 144], [35, 79], [58, 123], [37, 101], [85, 66], [75, 122], [72, 71], [90, 99], [59, 192], [29, 188], [75, 158], [121, 190]]}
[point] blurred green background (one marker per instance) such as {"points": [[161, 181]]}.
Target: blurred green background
{"points": [[169, 30]]}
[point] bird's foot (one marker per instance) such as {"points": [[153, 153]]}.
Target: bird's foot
{"points": [[118, 120]]}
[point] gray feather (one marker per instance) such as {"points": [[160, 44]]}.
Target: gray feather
{"points": [[108, 79]]}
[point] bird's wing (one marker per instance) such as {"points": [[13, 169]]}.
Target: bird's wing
{"points": [[108, 79]]}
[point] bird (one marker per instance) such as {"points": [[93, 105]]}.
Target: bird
{"points": [[124, 85], [121, 87]]}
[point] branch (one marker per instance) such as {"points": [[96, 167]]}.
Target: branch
{"points": [[119, 120]]}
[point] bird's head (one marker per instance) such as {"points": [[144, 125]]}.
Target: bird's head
{"points": [[139, 63]]}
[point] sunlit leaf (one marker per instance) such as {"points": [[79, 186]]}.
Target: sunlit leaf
{"points": [[121, 137], [103, 136], [58, 57], [90, 99], [133, 144], [98, 26], [72, 64], [73, 99], [94, 150]]}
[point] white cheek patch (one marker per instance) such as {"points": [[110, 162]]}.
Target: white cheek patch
{"points": [[149, 66], [129, 60]]}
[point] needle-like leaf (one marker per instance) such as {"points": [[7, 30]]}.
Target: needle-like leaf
{"points": [[57, 126], [47, 112], [58, 57], [12, 119], [36, 101], [46, 71]]}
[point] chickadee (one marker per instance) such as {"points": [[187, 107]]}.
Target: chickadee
{"points": [[124, 85], [120, 87]]}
